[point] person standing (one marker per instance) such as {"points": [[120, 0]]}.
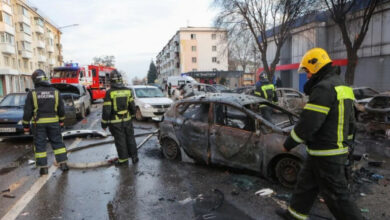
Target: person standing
{"points": [[266, 90], [118, 109], [45, 107], [169, 89], [326, 125]]}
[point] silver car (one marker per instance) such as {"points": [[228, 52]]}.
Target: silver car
{"points": [[80, 96]]}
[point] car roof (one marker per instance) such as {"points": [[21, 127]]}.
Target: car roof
{"points": [[230, 98], [142, 86]]}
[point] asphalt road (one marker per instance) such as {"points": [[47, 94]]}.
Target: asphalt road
{"points": [[155, 188]]}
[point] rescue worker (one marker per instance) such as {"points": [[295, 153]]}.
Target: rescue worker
{"points": [[118, 109], [44, 106], [326, 125], [266, 90]]}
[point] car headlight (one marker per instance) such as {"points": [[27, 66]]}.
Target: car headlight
{"points": [[20, 122], [147, 106]]}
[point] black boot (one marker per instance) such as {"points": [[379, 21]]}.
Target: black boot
{"points": [[284, 214], [134, 160], [64, 167], [121, 164], [43, 171]]}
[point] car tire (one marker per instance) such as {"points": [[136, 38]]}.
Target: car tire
{"points": [[82, 112], [89, 110], [170, 149], [138, 115], [286, 171]]}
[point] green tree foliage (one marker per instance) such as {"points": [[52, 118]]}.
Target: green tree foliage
{"points": [[152, 73]]}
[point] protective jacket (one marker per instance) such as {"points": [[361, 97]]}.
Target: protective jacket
{"points": [[43, 105], [327, 120], [266, 91], [118, 106]]}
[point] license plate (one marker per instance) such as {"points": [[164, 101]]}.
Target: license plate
{"points": [[7, 130], [160, 110]]}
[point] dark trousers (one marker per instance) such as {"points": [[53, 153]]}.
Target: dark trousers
{"points": [[51, 132], [124, 140], [266, 112], [324, 175]]}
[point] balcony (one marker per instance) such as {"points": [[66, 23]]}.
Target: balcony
{"points": [[24, 37], [41, 58], [7, 28], [50, 35], [24, 19], [51, 61], [25, 54], [41, 44], [50, 49], [39, 29], [7, 48], [6, 8]]}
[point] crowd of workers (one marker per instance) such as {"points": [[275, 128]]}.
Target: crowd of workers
{"points": [[326, 126]]}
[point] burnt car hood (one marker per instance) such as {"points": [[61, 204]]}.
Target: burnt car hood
{"points": [[66, 88], [11, 114]]}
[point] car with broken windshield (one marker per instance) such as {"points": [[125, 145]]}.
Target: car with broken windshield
{"points": [[228, 129]]}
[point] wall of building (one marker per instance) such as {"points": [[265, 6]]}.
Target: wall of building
{"points": [[372, 69], [27, 41]]}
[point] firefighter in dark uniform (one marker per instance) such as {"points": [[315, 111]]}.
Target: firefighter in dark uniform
{"points": [[266, 90], [118, 109], [44, 106], [326, 125]]}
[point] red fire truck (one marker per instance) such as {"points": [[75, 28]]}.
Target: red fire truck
{"points": [[94, 77]]}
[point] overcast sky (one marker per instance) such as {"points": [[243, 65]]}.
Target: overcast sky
{"points": [[134, 31]]}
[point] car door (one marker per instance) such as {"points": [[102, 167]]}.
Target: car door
{"points": [[233, 141], [294, 100], [192, 129]]}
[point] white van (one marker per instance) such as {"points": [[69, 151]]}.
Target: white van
{"points": [[177, 81]]}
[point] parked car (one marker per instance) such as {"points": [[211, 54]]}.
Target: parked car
{"points": [[80, 96], [378, 115], [156, 85], [291, 99], [243, 90], [363, 95], [228, 129], [221, 88], [150, 102], [11, 114], [193, 89]]}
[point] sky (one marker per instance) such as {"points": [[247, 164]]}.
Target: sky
{"points": [[134, 31]]}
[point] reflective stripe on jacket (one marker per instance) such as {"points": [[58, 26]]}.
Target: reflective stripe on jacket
{"points": [[118, 106]]}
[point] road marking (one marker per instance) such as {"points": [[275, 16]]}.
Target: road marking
{"points": [[18, 207]]}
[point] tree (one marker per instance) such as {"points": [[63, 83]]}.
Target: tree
{"points": [[340, 11], [152, 73], [241, 51], [107, 60], [268, 21]]}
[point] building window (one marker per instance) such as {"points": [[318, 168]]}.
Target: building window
{"points": [[213, 36], [31, 66], [7, 38], [25, 28], [6, 18], [213, 59], [214, 69], [193, 36], [193, 48], [214, 48], [24, 11], [194, 59], [6, 61], [25, 64], [13, 62], [7, 1], [194, 70], [39, 22], [26, 45]]}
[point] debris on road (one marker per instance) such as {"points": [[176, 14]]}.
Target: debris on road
{"points": [[364, 210], [84, 133], [31, 162], [9, 195], [264, 192]]}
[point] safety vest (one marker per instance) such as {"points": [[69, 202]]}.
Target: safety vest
{"points": [[42, 118], [119, 102], [267, 92]]}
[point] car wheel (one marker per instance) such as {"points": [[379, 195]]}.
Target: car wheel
{"points": [[287, 170], [89, 110], [82, 112], [170, 149], [138, 115]]}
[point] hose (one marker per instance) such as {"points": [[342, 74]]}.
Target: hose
{"points": [[108, 162]]}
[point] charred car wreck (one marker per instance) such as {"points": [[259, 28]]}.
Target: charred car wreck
{"points": [[378, 115], [228, 129]]}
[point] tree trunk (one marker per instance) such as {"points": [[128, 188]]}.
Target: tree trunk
{"points": [[351, 66]]}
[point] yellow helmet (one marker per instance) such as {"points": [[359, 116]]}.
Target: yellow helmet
{"points": [[314, 60]]}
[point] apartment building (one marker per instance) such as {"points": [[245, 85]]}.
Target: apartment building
{"points": [[28, 41], [194, 49]]}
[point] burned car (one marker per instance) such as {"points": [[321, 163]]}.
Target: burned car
{"points": [[363, 95], [378, 115], [228, 129], [291, 99]]}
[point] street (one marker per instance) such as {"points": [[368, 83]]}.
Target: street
{"points": [[155, 188]]}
